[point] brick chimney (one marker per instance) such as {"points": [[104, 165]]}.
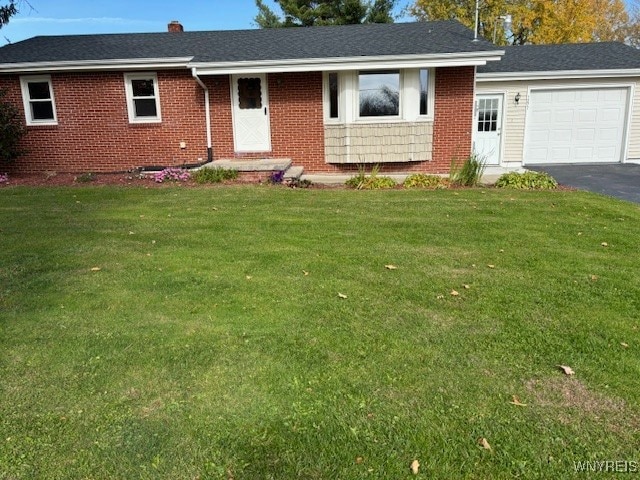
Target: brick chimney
{"points": [[175, 26]]}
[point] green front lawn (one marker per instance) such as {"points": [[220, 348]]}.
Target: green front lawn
{"points": [[190, 333]]}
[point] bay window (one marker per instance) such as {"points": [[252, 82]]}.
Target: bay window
{"points": [[378, 96]]}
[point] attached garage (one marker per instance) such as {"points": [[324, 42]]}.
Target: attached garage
{"points": [[564, 104]]}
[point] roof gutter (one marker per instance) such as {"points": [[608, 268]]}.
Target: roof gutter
{"points": [[97, 65], [555, 75], [207, 113], [457, 59]]}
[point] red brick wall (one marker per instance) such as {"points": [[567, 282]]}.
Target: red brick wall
{"points": [[453, 123], [94, 133], [295, 110]]}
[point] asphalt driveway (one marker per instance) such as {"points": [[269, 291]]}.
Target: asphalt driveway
{"points": [[617, 180]]}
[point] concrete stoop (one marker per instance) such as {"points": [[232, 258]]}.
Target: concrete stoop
{"points": [[263, 165]]}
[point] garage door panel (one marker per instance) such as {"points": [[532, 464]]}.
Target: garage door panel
{"points": [[564, 116], [611, 115], [589, 115], [608, 135], [585, 134], [565, 96], [560, 134], [584, 154], [614, 95], [588, 96], [539, 154], [558, 153], [539, 136], [578, 125]]}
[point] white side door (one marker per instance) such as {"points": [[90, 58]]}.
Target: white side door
{"points": [[251, 125], [488, 128]]}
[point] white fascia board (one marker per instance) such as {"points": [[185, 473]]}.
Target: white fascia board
{"points": [[556, 75], [349, 63], [97, 65]]}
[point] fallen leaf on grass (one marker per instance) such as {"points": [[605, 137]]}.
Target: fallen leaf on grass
{"points": [[341, 295], [594, 278], [359, 460], [95, 269], [484, 443], [415, 467], [604, 244], [390, 267], [491, 266], [516, 401], [454, 293], [305, 273], [625, 345], [249, 277], [566, 370], [467, 287]]}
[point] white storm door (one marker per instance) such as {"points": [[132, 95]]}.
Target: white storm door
{"points": [[488, 128], [251, 128]]}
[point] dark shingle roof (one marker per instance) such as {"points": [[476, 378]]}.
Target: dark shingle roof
{"points": [[577, 56], [421, 38]]}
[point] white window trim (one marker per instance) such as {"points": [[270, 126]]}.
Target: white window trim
{"points": [[349, 98], [128, 77], [327, 98], [26, 99]]}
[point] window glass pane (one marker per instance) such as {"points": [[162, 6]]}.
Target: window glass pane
{"points": [[42, 110], [379, 93], [142, 88], [424, 91], [333, 95], [145, 107], [39, 90], [249, 93]]}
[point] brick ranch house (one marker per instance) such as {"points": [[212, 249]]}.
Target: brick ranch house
{"points": [[327, 98]]}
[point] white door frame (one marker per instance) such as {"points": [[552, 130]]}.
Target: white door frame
{"points": [[500, 126], [258, 118], [624, 151]]}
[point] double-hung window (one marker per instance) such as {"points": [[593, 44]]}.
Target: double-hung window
{"points": [[39, 104], [143, 101]]}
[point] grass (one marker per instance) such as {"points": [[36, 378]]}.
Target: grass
{"points": [[200, 349]]}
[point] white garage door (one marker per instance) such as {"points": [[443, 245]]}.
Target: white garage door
{"points": [[576, 125]]}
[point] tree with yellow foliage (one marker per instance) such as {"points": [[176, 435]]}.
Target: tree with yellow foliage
{"points": [[539, 21]]}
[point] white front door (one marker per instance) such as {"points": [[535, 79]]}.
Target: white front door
{"points": [[251, 129], [488, 128], [576, 125]]}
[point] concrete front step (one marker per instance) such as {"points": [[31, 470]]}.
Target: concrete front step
{"points": [[293, 173], [261, 165]]}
